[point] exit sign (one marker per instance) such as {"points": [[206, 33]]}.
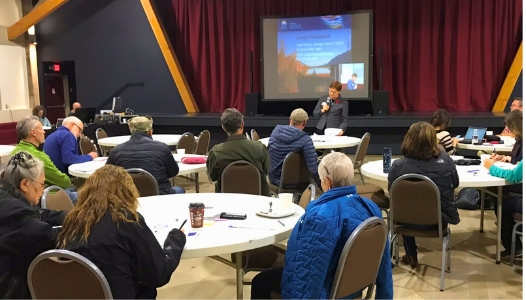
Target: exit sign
{"points": [[56, 68]]}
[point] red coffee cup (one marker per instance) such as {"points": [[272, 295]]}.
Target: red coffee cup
{"points": [[197, 214]]}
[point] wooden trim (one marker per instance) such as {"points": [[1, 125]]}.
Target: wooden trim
{"points": [[509, 82], [171, 59], [33, 17]]}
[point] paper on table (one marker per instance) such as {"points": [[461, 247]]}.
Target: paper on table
{"points": [[89, 166]]}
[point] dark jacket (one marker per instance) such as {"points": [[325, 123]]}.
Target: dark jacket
{"points": [[442, 171], [238, 147], [516, 152], [130, 257], [336, 117], [25, 232], [141, 151], [285, 139]]}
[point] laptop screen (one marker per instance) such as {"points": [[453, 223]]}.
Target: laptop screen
{"points": [[481, 132]]}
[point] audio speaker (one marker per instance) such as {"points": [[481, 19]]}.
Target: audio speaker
{"points": [[380, 103], [251, 104]]}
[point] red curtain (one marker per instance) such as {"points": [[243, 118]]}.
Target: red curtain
{"points": [[451, 54]]}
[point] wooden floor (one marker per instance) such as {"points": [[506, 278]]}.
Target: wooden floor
{"points": [[474, 274]]}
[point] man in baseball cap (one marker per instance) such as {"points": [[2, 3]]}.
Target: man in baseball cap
{"points": [[141, 151]]}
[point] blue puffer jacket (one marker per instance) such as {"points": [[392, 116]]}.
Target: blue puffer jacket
{"points": [[285, 139], [315, 245]]}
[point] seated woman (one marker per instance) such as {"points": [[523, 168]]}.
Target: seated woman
{"points": [[40, 111], [513, 123], [106, 228], [25, 230], [316, 242], [441, 121], [510, 205], [421, 156]]}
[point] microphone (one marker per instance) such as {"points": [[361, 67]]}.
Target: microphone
{"points": [[10, 111]]}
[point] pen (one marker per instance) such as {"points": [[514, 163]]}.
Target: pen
{"points": [[281, 223], [182, 225], [472, 171]]}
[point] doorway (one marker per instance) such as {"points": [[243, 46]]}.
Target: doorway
{"points": [[58, 90]]}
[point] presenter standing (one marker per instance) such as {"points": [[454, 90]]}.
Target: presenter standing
{"points": [[332, 110]]}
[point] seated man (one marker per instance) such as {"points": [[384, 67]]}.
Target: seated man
{"points": [[285, 139], [237, 147], [316, 242], [31, 136], [74, 107], [141, 151], [62, 146]]}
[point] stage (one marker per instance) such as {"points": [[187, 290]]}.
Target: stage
{"points": [[386, 131]]}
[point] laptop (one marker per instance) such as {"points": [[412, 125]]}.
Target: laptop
{"points": [[481, 132]]}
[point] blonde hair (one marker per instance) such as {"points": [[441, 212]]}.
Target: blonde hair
{"points": [[338, 167], [109, 189]]}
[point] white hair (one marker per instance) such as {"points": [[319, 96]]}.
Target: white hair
{"points": [[338, 167], [24, 126], [70, 120]]}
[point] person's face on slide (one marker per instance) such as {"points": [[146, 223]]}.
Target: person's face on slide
{"points": [[333, 93], [354, 78]]}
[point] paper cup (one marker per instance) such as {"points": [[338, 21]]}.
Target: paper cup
{"points": [[286, 200], [181, 151], [489, 132]]}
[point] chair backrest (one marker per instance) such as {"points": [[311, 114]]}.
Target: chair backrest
{"points": [[86, 146], [63, 274], [100, 134], [415, 199], [248, 136], [361, 151], [203, 142], [241, 177], [144, 181], [187, 142], [254, 135], [308, 195], [55, 198], [360, 259], [295, 175]]}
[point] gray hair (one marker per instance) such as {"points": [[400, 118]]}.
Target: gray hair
{"points": [[338, 167], [231, 120], [24, 126], [71, 119], [21, 166]]}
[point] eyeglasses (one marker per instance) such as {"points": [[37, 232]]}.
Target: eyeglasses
{"points": [[78, 127], [42, 184]]}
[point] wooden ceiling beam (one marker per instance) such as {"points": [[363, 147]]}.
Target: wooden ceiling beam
{"points": [[33, 17]]}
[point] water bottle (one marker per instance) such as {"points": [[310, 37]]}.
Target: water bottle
{"points": [[387, 159], [475, 139]]}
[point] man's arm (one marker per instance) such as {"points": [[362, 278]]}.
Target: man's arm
{"points": [[172, 168], [69, 152], [317, 110], [211, 166], [311, 158], [266, 159], [53, 175]]}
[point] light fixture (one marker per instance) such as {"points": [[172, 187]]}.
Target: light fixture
{"points": [[31, 30]]}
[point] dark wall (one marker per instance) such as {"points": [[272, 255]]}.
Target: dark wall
{"points": [[111, 43]]}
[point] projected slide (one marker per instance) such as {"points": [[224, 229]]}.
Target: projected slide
{"points": [[303, 55]]}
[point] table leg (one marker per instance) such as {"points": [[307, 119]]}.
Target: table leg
{"points": [[499, 221], [196, 182], [482, 198], [239, 275]]}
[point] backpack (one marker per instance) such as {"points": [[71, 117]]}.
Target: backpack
{"points": [[468, 198]]}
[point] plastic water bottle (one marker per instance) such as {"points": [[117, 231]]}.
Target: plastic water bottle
{"points": [[475, 139], [387, 159]]}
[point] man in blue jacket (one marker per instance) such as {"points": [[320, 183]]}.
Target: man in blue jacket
{"points": [[285, 139], [62, 146], [317, 240]]}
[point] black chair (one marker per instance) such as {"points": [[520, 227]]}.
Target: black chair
{"points": [[295, 175], [203, 142], [241, 177], [187, 142], [100, 134]]}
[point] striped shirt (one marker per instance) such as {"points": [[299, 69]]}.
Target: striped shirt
{"points": [[445, 140]]}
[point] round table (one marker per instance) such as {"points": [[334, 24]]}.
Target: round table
{"points": [[469, 176], [327, 142], [6, 150], [168, 139], [162, 213], [85, 169], [487, 149]]}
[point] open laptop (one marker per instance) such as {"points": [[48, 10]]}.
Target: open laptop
{"points": [[481, 132]]}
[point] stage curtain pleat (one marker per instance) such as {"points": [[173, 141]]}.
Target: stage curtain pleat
{"points": [[451, 54]]}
